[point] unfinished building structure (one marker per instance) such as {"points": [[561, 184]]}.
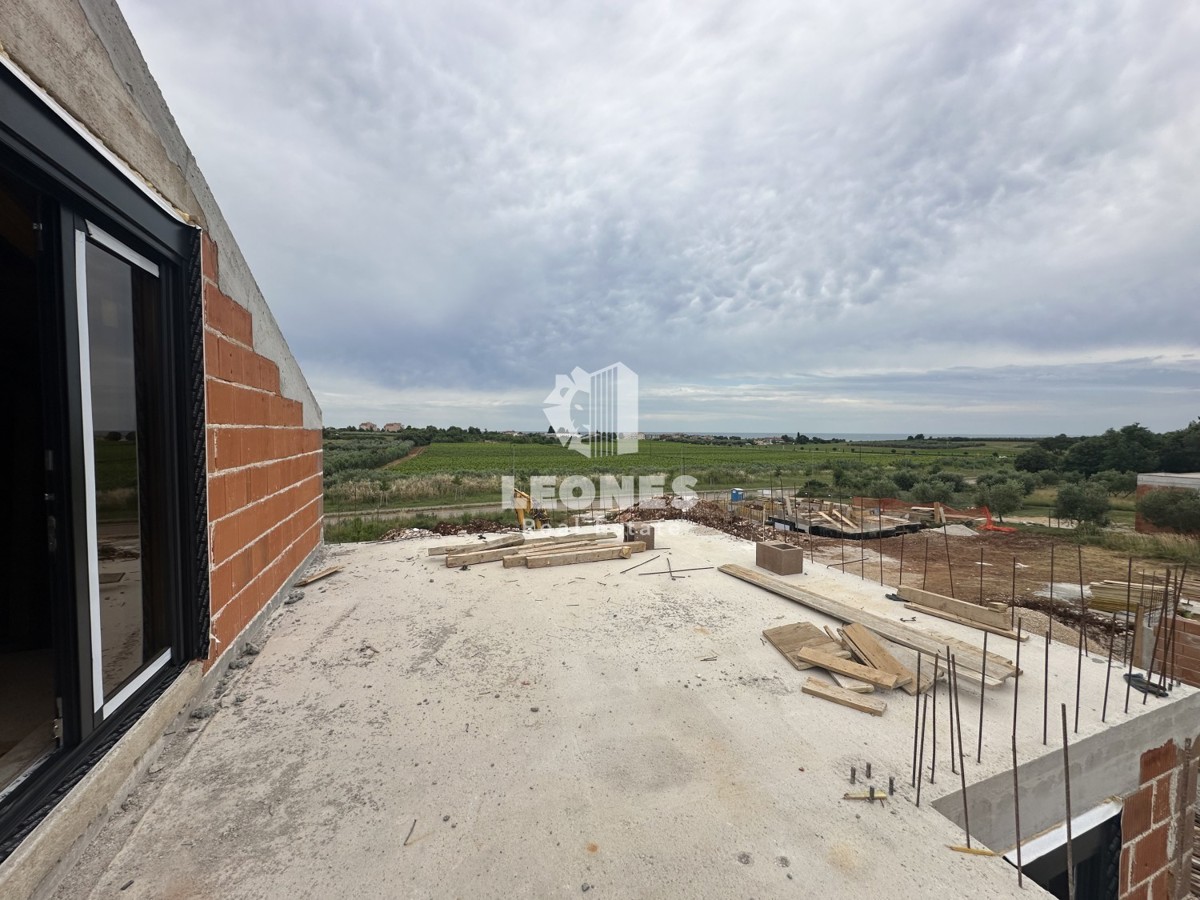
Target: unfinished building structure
{"points": [[164, 475]]}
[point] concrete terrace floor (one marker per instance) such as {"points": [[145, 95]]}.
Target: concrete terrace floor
{"points": [[552, 732]]}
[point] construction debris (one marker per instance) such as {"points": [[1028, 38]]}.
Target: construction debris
{"points": [[324, 573], [970, 659], [815, 687]]}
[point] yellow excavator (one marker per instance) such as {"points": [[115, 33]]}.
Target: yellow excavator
{"points": [[523, 504]]}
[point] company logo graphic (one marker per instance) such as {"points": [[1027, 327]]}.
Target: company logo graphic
{"points": [[596, 413]]}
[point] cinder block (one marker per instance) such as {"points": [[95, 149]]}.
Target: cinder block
{"points": [[778, 557], [640, 531]]}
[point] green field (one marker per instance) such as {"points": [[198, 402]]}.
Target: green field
{"points": [[470, 471]]}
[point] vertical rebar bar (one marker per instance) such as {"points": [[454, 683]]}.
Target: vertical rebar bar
{"points": [[981, 575], [1046, 684], [879, 501], [1017, 676], [1017, 805], [925, 573], [1067, 788], [955, 758], [1083, 607], [916, 717], [1128, 646], [921, 761], [1012, 605], [1078, 675], [1112, 639], [1162, 620], [982, 692], [962, 758], [949, 564], [901, 582], [937, 659]]}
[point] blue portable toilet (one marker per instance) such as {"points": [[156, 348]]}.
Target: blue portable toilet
{"points": [[735, 495]]}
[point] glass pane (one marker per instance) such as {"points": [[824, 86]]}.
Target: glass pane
{"points": [[119, 307]]}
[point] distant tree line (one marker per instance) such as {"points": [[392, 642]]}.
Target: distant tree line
{"points": [[1133, 448]]}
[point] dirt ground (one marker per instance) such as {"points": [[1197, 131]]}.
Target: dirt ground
{"points": [[1014, 569]]}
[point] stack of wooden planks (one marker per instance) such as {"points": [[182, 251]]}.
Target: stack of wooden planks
{"points": [[993, 618], [969, 657], [1110, 596], [536, 553], [856, 660]]}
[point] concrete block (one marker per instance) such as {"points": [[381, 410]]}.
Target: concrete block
{"points": [[640, 531], [778, 557]]}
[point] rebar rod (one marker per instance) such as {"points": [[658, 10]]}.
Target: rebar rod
{"points": [[1067, 788], [962, 769], [982, 692], [1112, 639]]}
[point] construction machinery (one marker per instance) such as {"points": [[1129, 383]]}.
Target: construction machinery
{"points": [[523, 504]]}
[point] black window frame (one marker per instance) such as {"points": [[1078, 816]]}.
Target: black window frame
{"points": [[78, 183]]}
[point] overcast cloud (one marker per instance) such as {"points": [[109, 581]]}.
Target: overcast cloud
{"points": [[852, 216]]}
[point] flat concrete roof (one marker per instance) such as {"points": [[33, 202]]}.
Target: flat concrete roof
{"points": [[562, 731], [1170, 479]]}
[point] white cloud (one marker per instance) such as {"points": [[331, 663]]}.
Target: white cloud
{"points": [[462, 199]]}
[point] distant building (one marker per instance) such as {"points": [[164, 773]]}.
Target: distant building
{"points": [[368, 426], [393, 426]]}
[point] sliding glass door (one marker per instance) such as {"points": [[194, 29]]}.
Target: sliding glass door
{"points": [[119, 296]]}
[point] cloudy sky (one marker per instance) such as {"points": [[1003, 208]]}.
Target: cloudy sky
{"points": [[784, 216]]}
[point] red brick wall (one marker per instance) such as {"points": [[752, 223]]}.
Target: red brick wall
{"points": [[1156, 826], [264, 468]]}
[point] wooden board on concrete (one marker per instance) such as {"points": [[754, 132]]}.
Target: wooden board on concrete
{"points": [[517, 560], [867, 647], [950, 617], [536, 545], [571, 557], [508, 540], [847, 667], [324, 573], [970, 659], [961, 608], [817, 688], [850, 684], [787, 639], [521, 554]]}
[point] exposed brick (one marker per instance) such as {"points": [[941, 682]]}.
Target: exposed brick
{"points": [[1141, 892], [1149, 854], [1162, 886], [209, 259], [1157, 761], [223, 314], [1136, 817], [1162, 798]]}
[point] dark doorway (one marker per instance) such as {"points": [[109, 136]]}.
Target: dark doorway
{"points": [[1097, 856], [28, 694]]}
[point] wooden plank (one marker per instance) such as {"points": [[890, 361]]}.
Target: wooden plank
{"points": [[815, 687], [324, 573], [847, 667], [454, 560], [508, 540], [789, 638], [874, 654], [850, 684], [572, 557], [517, 560], [519, 554], [960, 608], [970, 659], [950, 617]]}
